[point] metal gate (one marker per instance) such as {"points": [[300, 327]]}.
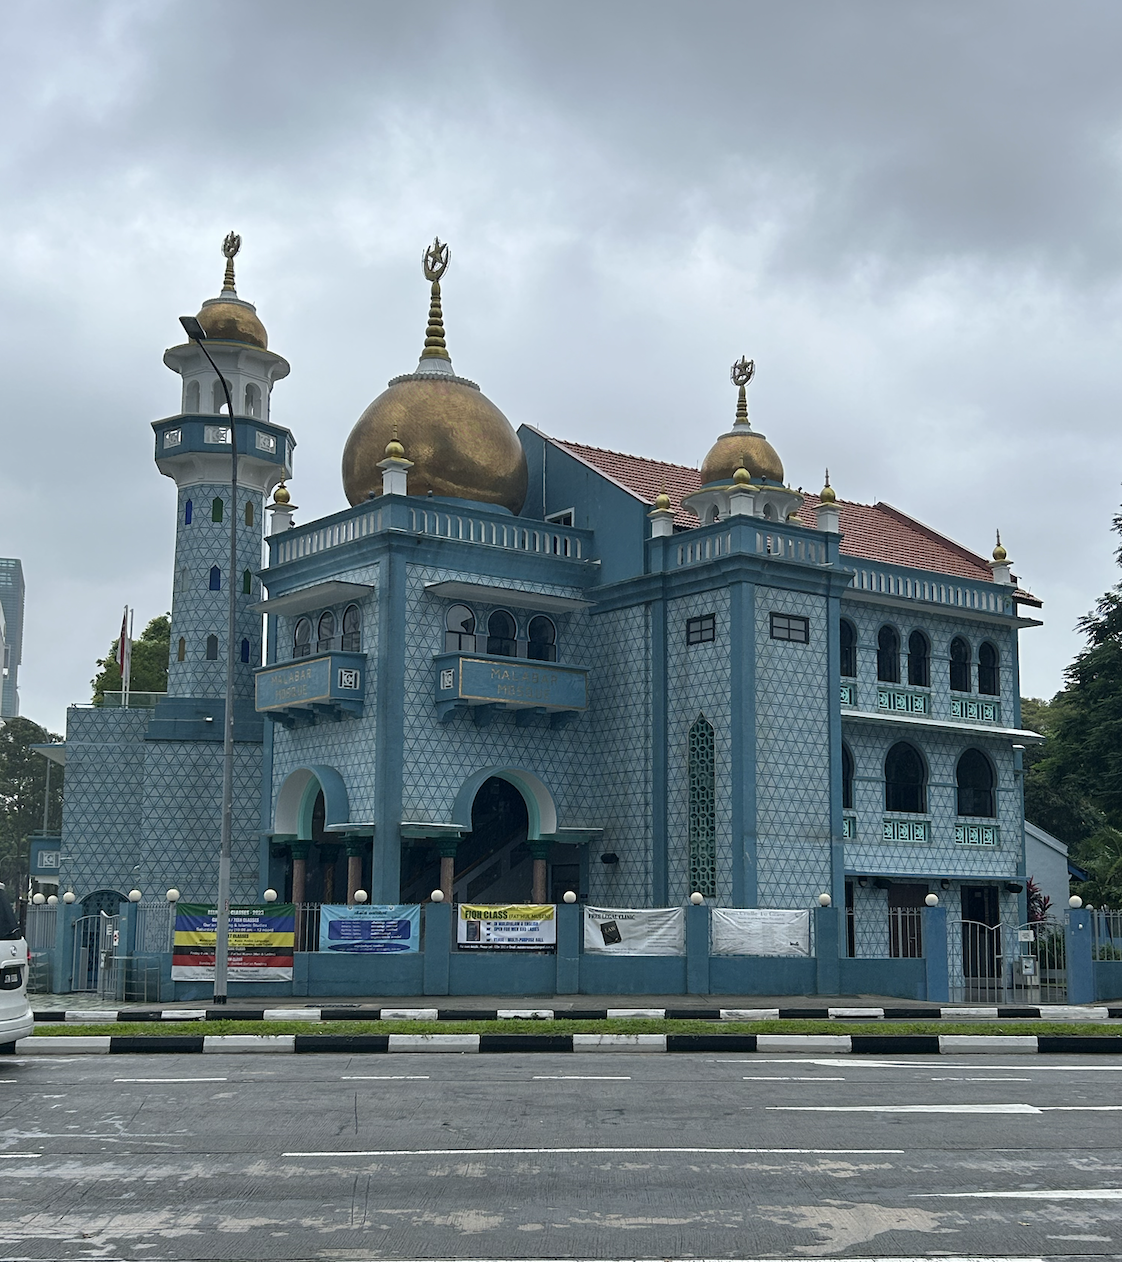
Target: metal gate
{"points": [[1000, 964], [95, 945]]}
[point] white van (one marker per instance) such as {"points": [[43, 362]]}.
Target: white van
{"points": [[16, 1021]]}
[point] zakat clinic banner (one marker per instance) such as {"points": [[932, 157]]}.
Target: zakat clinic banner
{"points": [[261, 943], [760, 931], [634, 931], [370, 930], [507, 926]]}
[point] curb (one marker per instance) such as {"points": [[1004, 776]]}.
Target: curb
{"points": [[1057, 1012], [348, 1044]]}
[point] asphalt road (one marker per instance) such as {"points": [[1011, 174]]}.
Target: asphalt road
{"points": [[610, 1155]]}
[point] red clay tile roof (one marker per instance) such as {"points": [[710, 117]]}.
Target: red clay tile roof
{"points": [[875, 532]]}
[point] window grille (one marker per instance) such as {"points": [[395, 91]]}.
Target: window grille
{"points": [[790, 627], [702, 630], [703, 809]]}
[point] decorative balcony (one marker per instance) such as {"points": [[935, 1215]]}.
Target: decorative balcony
{"points": [[311, 690], [488, 685]]}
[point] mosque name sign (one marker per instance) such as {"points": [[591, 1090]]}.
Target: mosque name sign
{"points": [[329, 679], [510, 682]]}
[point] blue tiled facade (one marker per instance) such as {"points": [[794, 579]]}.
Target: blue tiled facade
{"points": [[667, 629]]}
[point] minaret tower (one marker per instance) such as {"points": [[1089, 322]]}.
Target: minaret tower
{"points": [[193, 448]]}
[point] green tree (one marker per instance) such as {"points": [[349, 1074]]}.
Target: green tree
{"points": [[149, 662], [23, 779], [1054, 800]]}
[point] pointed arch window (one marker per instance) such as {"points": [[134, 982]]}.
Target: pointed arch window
{"points": [[919, 660], [974, 781], [245, 650], [905, 780], [188, 512], [459, 633], [960, 665], [191, 397], [247, 582], [249, 514], [542, 645], [989, 670], [847, 778], [212, 648], [502, 634], [217, 509], [325, 632], [352, 629], [702, 809], [252, 400], [848, 649], [215, 579], [181, 650], [888, 655], [217, 397], [302, 638]]}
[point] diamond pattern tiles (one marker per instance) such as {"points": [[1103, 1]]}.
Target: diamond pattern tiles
{"points": [[792, 754], [146, 814], [198, 612]]}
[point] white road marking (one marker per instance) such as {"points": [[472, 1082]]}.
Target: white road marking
{"points": [[1081, 1108], [860, 1062], [385, 1077], [961, 1079], [582, 1077], [538, 1152], [170, 1080], [791, 1078], [904, 1108], [21, 1156], [1038, 1194]]}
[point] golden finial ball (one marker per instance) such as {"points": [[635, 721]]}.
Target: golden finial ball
{"points": [[394, 450], [742, 477], [828, 495], [999, 553], [281, 495], [662, 503]]}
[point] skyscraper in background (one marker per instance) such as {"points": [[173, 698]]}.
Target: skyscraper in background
{"points": [[11, 634]]}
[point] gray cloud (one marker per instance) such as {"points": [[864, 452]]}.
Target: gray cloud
{"points": [[907, 212]]}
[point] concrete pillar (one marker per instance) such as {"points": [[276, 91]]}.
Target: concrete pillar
{"points": [[1080, 965], [697, 950], [935, 957], [446, 848], [570, 918], [540, 850], [356, 848], [299, 851], [438, 948], [826, 950]]}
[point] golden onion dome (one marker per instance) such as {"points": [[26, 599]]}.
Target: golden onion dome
{"points": [[999, 553], [741, 447], [394, 450], [662, 502], [461, 445], [742, 477], [231, 319], [282, 495], [828, 495]]}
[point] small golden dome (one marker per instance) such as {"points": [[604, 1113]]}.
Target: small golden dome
{"points": [[741, 449], [827, 495], [394, 450], [229, 319], [281, 495], [999, 553], [742, 477], [662, 502]]}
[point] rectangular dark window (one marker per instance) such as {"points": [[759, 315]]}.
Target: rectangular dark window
{"points": [[786, 626], [701, 630]]}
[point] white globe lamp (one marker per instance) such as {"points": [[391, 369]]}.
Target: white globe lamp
{"points": [[172, 896], [932, 900], [135, 896], [1075, 902], [697, 899], [270, 896], [437, 896], [361, 896], [38, 899], [69, 897], [824, 900], [569, 896]]}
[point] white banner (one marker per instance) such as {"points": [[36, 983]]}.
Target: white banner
{"points": [[759, 931], [631, 931]]}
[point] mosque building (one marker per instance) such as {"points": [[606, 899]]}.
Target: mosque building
{"points": [[517, 665]]}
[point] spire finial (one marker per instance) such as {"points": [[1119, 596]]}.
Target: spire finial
{"points": [[828, 495], [999, 553], [230, 247], [434, 263], [742, 373], [394, 449]]}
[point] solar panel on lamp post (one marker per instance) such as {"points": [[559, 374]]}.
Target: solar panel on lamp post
{"points": [[197, 334]]}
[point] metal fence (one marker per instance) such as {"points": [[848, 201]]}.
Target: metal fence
{"points": [[1007, 964], [155, 927], [40, 929], [1106, 935]]}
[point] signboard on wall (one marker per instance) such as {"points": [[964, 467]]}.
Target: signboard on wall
{"points": [[506, 927], [760, 931], [635, 931], [370, 930], [261, 943]]}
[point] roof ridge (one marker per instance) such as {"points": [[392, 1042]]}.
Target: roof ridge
{"points": [[626, 455], [930, 532]]}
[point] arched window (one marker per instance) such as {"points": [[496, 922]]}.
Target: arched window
{"points": [[888, 655], [247, 582], [989, 670], [960, 665], [769, 512], [847, 778], [181, 651], [501, 634], [217, 509], [217, 397], [191, 397], [252, 400], [302, 638], [249, 512], [702, 808], [352, 629], [212, 648], [714, 514], [542, 646], [459, 629], [188, 513], [245, 650], [325, 632], [919, 660], [215, 579], [905, 780], [974, 778], [848, 650]]}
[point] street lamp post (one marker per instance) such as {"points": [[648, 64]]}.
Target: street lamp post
{"points": [[197, 334]]}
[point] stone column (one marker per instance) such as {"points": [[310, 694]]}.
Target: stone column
{"points": [[446, 848], [356, 848], [540, 850], [299, 850]]}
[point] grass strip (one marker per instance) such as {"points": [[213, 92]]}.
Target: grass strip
{"points": [[619, 1026]]}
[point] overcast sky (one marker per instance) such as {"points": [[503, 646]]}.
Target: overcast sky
{"points": [[907, 213]]}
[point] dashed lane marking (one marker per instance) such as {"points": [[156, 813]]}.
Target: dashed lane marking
{"points": [[604, 1152], [170, 1079]]}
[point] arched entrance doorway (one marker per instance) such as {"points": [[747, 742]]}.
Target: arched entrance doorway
{"points": [[325, 864]]}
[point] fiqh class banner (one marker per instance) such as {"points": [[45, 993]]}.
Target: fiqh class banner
{"points": [[507, 926], [370, 930], [261, 943]]}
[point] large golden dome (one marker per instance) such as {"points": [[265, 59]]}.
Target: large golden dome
{"points": [[460, 445], [230, 319], [741, 448]]}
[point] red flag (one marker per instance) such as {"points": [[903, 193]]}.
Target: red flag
{"points": [[124, 647]]}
